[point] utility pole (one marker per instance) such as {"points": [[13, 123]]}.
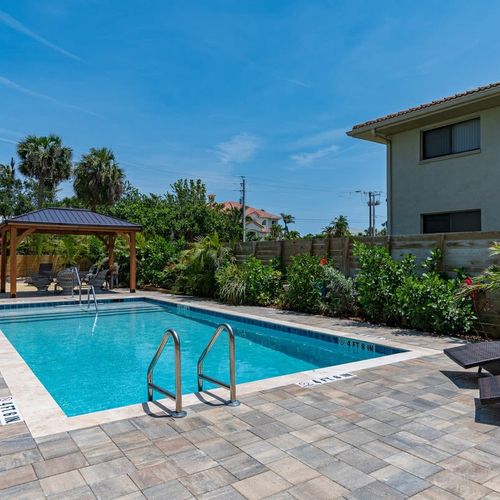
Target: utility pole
{"points": [[373, 201], [243, 207]]}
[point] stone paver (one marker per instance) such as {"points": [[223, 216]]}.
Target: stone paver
{"points": [[411, 429]]}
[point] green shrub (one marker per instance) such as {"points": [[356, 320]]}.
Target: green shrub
{"points": [[340, 297], [377, 281], [251, 283], [305, 278], [199, 264], [433, 304], [154, 258]]}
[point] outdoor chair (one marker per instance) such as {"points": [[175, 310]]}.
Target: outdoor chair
{"points": [[66, 281], [99, 280], [483, 355], [489, 390], [41, 279]]}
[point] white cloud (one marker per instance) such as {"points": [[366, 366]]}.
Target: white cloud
{"points": [[305, 159], [239, 149], [21, 28], [19, 88], [319, 138], [299, 83]]}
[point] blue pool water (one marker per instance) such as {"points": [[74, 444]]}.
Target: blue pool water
{"points": [[90, 363]]}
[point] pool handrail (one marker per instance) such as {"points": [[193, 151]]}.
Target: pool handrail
{"points": [[90, 288], [177, 397], [232, 365]]}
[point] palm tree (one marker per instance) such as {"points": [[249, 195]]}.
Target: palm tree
{"points": [[99, 180], [287, 219], [46, 160], [338, 227]]}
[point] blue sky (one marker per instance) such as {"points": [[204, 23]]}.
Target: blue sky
{"points": [[217, 89]]}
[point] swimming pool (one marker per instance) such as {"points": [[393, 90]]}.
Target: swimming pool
{"points": [[89, 363]]}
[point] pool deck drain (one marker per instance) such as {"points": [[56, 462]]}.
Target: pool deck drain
{"points": [[408, 429]]}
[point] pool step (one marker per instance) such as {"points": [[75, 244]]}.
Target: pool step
{"points": [[55, 313]]}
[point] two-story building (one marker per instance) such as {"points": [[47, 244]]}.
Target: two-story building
{"points": [[259, 222], [443, 163]]}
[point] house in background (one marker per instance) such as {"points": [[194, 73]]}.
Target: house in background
{"points": [[259, 222], [443, 163]]}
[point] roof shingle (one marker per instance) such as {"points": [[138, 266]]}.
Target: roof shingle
{"points": [[426, 105]]}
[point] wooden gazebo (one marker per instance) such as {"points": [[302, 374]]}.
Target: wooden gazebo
{"points": [[63, 221]]}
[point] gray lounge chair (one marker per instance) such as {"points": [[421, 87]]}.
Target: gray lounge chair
{"points": [[43, 278], [99, 280], [481, 355], [66, 280], [489, 390]]}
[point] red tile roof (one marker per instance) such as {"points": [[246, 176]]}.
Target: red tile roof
{"points": [[427, 105], [250, 210]]}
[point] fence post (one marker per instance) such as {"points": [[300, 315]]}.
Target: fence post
{"points": [[345, 256]]}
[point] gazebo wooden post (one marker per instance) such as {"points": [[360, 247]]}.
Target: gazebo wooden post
{"points": [[3, 262], [13, 263], [132, 261], [111, 259]]}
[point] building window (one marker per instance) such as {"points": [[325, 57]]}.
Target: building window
{"points": [[452, 222], [264, 222], [456, 138]]}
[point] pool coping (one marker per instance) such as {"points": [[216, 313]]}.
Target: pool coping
{"points": [[43, 416]]}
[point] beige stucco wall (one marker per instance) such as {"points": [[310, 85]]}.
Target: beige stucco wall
{"points": [[459, 182]]}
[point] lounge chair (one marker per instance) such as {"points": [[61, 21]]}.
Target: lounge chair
{"points": [[483, 355], [99, 280], [66, 280], [41, 279], [489, 390]]}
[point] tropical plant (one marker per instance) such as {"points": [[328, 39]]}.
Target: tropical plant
{"points": [[70, 249], [338, 227], [199, 264], [490, 279], [14, 198], [99, 180], [276, 232], [251, 282], [45, 160], [287, 219]]}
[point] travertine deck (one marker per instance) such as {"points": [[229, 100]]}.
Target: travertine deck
{"points": [[408, 429]]}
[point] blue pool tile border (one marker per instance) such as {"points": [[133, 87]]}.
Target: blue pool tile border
{"points": [[378, 348]]}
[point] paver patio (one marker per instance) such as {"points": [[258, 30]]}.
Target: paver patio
{"points": [[411, 429]]}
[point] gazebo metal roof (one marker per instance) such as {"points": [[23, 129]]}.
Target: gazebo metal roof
{"points": [[64, 221], [74, 217]]}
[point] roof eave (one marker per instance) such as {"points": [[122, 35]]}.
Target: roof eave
{"points": [[377, 131]]}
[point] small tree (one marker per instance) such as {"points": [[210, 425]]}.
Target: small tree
{"points": [[45, 160], [99, 180]]}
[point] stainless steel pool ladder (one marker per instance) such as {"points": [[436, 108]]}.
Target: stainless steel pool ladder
{"points": [[90, 290], [177, 397], [232, 367]]}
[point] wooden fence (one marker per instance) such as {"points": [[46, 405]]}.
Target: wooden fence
{"points": [[467, 251], [28, 264]]}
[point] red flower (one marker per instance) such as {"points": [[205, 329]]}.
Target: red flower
{"points": [[323, 262], [473, 294]]}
